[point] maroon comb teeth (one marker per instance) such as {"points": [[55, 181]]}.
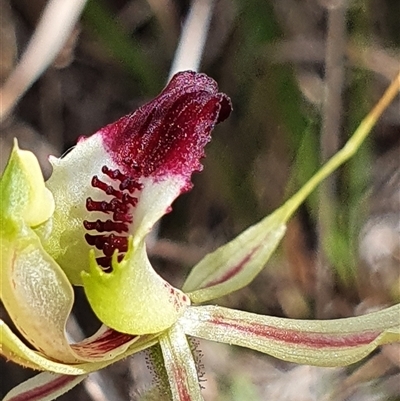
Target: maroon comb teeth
{"points": [[119, 207]]}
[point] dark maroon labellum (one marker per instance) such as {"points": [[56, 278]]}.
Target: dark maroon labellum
{"points": [[168, 135], [162, 139]]}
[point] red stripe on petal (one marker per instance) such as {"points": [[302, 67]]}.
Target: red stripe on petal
{"points": [[314, 340], [44, 390], [180, 380], [98, 345], [233, 271]]}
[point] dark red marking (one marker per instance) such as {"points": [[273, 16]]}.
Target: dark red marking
{"points": [[181, 383], [108, 225], [120, 208], [106, 342], [108, 243], [126, 183], [233, 271]]}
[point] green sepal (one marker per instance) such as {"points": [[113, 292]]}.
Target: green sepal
{"points": [[13, 349], [49, 385], [180, 365], [235, 264], [33, 288], [36, 294], [329, 343]]}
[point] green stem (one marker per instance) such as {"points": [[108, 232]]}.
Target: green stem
{"points": [[349, 149]]}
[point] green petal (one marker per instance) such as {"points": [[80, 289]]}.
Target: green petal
{"points": [[43, 387], [37, 295], [33, 288], [180, 366], [235, 264], [332, 343], [133, 298], [15, 350]]}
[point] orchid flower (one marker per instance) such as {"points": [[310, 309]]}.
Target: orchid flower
{"points": [[87, 226]]}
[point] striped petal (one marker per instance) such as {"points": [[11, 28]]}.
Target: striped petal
{"points": [[336, 342], [180, 366], [43, 387], [235, 264], [102, 349]]}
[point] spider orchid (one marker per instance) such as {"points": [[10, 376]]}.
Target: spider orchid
{"points": [[87, 226]]}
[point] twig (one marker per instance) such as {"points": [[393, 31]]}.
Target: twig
{"points": [[193, 37], [53, 30], [329, 144]]}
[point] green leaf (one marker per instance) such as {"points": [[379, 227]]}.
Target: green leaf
{"points": [[180, 366], [332, 343]]}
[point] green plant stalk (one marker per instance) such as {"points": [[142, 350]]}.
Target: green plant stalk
{"points": [[348, 150]]}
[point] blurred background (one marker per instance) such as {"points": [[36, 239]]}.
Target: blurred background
{"points": [[301, 75]]}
